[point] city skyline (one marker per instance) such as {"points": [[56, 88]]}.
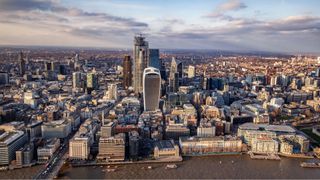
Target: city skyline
{"points": [[277, 26]]}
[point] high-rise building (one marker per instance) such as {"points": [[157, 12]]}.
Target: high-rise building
{"points": [[4, 78], [318, 72], [151, 88], [127, 72], [191, 71], [76, 62], [154, 58], [22, 64], [141, 61], [92, 81], [112, 92], [77, 80]]}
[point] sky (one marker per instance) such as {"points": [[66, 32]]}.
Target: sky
{"points": [[241, 25]]}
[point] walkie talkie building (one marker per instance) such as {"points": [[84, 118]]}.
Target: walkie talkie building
{"points": [[151, 88]]}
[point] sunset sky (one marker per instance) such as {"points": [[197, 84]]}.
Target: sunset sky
{"points": [[264, 25]]}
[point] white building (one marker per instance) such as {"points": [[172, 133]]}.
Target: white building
{"points": [[79, 148], [191, 71]]}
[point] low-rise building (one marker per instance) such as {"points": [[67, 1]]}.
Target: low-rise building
{"points": [[166, 149], [265, 145], [210, 145]]}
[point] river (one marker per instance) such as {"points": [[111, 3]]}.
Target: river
{"points": [[234, 167]]}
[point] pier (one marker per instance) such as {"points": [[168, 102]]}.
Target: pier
{"points": [[264, 156]]}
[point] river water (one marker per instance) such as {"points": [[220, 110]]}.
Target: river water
{"points": [[234, 167]]}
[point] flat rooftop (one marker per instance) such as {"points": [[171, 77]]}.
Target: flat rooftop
{"points": [[165, 144], [267, 127]]}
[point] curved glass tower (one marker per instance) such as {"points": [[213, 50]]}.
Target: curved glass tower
{"points": [[151, 88]]}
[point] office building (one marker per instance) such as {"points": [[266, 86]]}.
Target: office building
{"points": [[22, 64], [265, 145], [107, 130], [154, 58], [34, 129], [112, 92], [77, 80], [112, 148], [46, 151], [56, 129], [79, 148], [24, 156], [166, 149], [151, 88], [127, 72], [191, 71], [4, 78], [141, 61], [92, 81], [210, 145], [10, 142]]}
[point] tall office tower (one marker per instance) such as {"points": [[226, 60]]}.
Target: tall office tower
{"points": [[22, 64], [163, 72], [318, 72], [127, 72], [92, 81], [141, 61], [154, 58], [151, 88], [191, 71], [76, 62], [77, 80], [174, 76], [4, 78], [112, 92]]}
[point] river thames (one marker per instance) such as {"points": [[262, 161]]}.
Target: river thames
{"points": [[233, 167]]}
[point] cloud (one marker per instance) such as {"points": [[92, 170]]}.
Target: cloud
{"points": [[24, 5], [230, 5]]}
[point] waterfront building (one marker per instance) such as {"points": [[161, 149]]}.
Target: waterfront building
{"points": [[79, 148], [293, 144], [112, 148], [151, 89], [166, 149], [127, 72], [24, 156], [10, 142], [265, 145], [210, 145], [134, 140], [141, 61]]}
